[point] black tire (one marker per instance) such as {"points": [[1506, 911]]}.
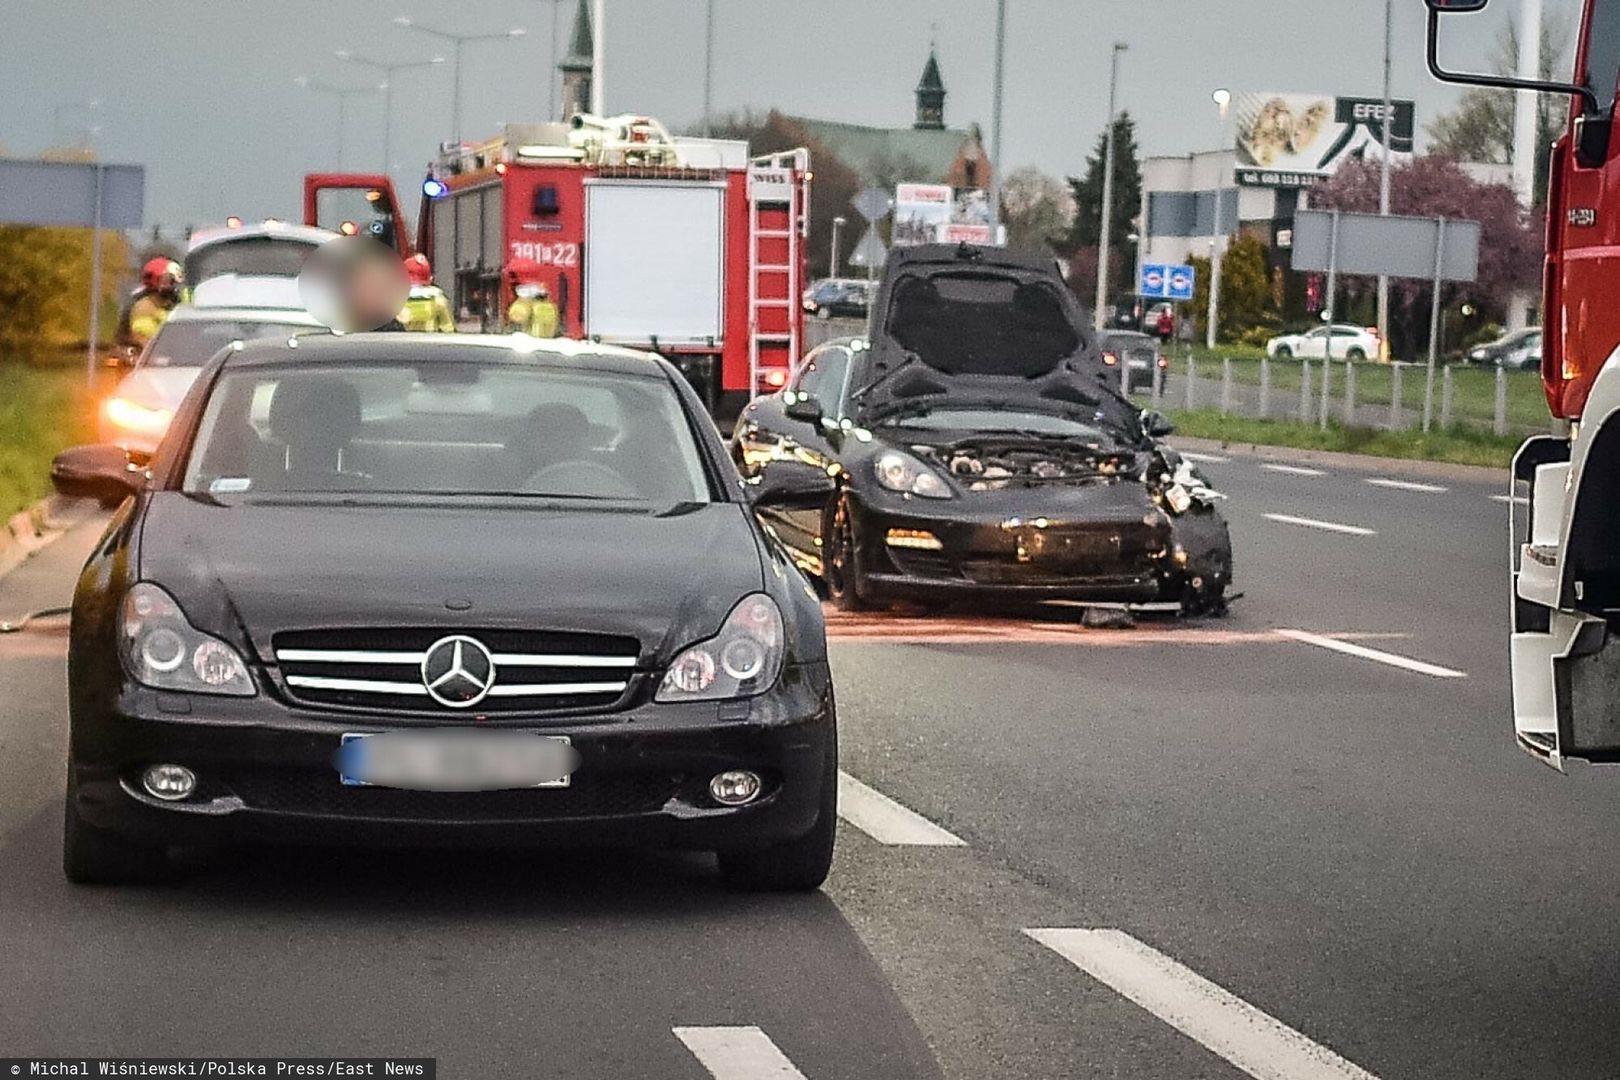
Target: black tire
{"points": [[1284, 353], [797, 865], [1355, 353], [92, 856], [840, 570]]}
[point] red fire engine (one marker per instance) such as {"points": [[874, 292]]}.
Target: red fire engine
{"points": [[689, 247], [1565, 569]]}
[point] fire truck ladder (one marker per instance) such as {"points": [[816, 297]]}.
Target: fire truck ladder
{"points": [[778, 218]]}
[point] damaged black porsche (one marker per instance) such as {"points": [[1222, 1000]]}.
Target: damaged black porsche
{"points": [[982, 451]]}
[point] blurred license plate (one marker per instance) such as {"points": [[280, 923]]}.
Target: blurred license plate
{"points": [[455, 760]]}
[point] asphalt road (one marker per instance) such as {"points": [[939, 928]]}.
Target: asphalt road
{"points": [[1247, 853]]}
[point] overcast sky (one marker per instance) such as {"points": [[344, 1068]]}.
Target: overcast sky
{"points": [[201, 92]]}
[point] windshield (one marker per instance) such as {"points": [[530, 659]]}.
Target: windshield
{"points": [[193, 342], [446, 429], [265, 256]]}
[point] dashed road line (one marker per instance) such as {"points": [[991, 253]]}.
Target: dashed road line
{"points": [[1292, 470], [738, 1053], [885, 820], [1313, 523], [1207, 459], [1392, 659], [1516, 500], [1404, 485], [1254, 1041]]}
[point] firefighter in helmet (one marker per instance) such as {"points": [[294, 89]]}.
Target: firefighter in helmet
{"points": [[427, 309], [533, 312], [150, 305]]}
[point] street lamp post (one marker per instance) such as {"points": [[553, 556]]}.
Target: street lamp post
{"points": [[838, 227], [342, 93], [1108, 191], [995, 120], [387, 68], [1383, 177], [708, 72], [459, 40], [1223, 102]]}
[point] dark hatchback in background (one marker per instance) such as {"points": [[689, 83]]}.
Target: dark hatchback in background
{"points": [[1136, 355], [982, 450], [412, 589]]}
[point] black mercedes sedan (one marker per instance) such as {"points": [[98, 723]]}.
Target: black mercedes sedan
{"points": [[982, 450], [407, 589]]}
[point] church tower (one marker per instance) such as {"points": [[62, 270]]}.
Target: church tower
{"points": [[577, 65], [931, 97]]}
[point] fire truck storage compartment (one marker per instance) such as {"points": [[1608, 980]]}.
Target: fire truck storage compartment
{"points": [[655, 261], [468, 249]]}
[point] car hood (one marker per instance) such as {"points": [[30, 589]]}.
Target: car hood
{"points": [[158, 387], [953, 323], [251, 570]]}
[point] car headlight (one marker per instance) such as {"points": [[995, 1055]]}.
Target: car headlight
{"points": [[905, 474], [742, 660], [164, 651], [133, 416]]}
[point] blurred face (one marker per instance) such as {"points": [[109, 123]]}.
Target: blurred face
{"points": [[354, 284]]}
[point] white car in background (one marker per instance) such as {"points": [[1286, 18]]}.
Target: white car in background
{"points": [[1349, 343], [140, 408]]}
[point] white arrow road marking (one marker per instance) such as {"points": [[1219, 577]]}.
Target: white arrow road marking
{"points": [[1293, 470], [1393, 660], [1259, 1044], [885, 820], [1208, 459], [1313, 523], [1403, 485], [738, 1053]]}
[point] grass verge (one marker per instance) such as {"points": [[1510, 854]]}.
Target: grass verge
{"points": [[43, 410], [1456, 445]]}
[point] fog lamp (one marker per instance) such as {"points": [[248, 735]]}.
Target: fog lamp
{"points": [[171, 783], [916, 539], [735, 787]]}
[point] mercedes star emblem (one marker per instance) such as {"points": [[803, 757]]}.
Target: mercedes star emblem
{"points": [[458, 671]]}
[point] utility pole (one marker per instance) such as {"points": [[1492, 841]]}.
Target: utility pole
{"points": [[995, 121], [1223, 102], [708, 72], [1525, 103], [598, 56], [1383, 177], [1099, 318]]}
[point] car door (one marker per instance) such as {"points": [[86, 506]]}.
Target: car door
{"points": [[777, 436], [1313, 344]]}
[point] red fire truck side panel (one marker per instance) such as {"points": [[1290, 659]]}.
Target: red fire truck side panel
{"points": [[545, 225]]}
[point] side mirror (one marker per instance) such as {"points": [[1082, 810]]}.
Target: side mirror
{"points": [[805, 409], [102, 472], [791, 485], [1156, 425]]}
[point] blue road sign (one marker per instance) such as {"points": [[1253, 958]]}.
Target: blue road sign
{"points": [[1153, 279], [1181, 282]]}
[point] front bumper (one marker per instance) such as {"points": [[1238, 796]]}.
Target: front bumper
{"points": [[1106, 544], [265, 774]]}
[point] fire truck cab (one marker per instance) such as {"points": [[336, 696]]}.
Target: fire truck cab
{"points": [[1564, 559], [688, 247]]}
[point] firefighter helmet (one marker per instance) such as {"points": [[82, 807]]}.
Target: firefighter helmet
{"points": [[522, 271], [419, 270], [155, 270]]}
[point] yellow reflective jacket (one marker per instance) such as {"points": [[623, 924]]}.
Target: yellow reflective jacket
{"points": [[537, 318], [147, 317], [428, 311]]}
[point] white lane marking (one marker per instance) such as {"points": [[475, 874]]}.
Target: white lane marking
{"points": [[885, 820], [1256, 1042], [1208, 459], [1330, 526], [1392, 659], [1292, 470], [1403, 485], [1516, 500], [738, 1053]]}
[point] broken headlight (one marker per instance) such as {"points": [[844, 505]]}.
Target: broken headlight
{"points": [[901, 472]]}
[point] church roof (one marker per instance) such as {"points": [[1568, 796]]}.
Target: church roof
{"points": [[873, 151]]}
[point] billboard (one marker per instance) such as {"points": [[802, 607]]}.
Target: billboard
{"points": [[938, 213], [1297, 140]]}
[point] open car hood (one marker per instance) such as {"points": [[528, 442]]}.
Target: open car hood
{"points": [[957, 323]]}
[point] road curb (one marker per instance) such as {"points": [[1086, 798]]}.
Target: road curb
{"points": [[1437, 470], [27, 531]]}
